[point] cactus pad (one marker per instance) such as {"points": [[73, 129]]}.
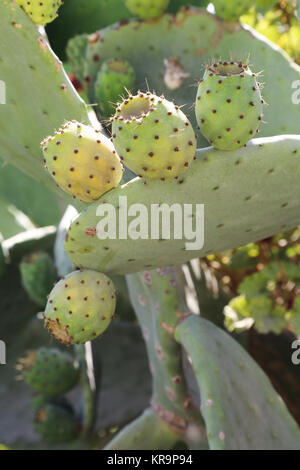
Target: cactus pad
{"points": [[82, 161], [241, 409], [80, 307], [147, 9], [229, 105], [113, 78], [49, 371], [153, 137]]}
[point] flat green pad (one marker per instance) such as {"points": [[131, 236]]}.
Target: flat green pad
{"points": [[39, 95], [240, 407], [194, 37], [249, 194]]}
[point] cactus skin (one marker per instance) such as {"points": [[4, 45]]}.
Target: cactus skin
{"points": [[41, 13], [82, 161], [229, 105], [147, 9], [232, 386], [113, 78], [56, 424], [153, 137], [49, 371], [231, 10], [80, 307], [38, 275]]}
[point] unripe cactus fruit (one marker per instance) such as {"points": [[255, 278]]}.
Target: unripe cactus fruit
{"points": [[80, 307], [38, 275], [40, 401], [41, 11], [153, 136], [82, 161], [56, 424], [49, 371], [147, 9], [114, 77], [231, 10], [229, 105]]}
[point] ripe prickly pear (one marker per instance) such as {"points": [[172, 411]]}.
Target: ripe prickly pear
{"points": [[80, 307], [49, 371], [56, 424], [82, 161], [147, 9], [231, 10], [153, 136], [38, 275], [229, 105], [114, 77], [41, 12]]}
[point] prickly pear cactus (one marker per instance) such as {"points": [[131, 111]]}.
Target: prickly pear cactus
{"points": [[147, 9], [82, 161], [80, 307], [231, 10], [38, 276], [56, 424], [49, 371], [153, 136], [229, 105], [41, 13], [113, 80]]}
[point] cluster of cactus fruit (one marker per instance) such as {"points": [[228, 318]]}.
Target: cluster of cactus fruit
{"points": [[152, 137]]}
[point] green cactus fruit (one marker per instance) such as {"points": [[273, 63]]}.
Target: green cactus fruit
{"points": [[80, 307], [56, 424], [153, 136], [231, 10], [82, 161], [2, 261], [266, 4], [40, 401], [49, 371], [147, 9], [114, 77], [41, 12], [229, 105], [38, 275]]}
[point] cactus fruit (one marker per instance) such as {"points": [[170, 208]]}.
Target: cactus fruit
{"points": [[80, 307], [114, 77], [229, 105], [153, 136], [38, 275], [56, 424], [41, 12], [231, 10], [82, 161], [49, 371], [40, 401], [147, 9]]}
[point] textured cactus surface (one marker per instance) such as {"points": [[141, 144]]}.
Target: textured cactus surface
{"points": [[249, 194], [153, 136], [56, 424], [113, 79], [80, 307], [239, 405], [194, 38], [44, 96], [147, 9], [231, 10], [38, 276], [229, 105], [41, 13], [82, 161], [49, 371]]}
